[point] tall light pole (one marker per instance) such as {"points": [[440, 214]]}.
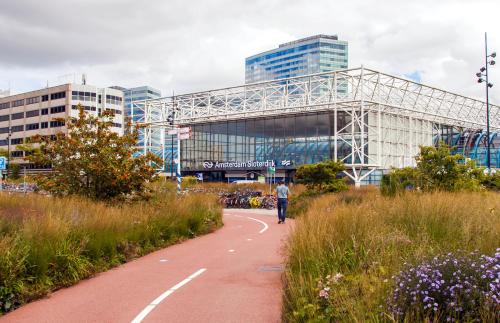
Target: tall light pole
{"points": [[8, 151], [488, 58]]}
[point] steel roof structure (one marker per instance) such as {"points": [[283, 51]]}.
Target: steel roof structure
{"points": [[390, 116]]}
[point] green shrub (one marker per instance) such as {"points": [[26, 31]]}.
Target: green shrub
{"points": [[492, 181], [188, 181], [322, 177], [437, 170], [15, 171]]}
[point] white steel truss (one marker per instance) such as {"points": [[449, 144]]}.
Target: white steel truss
{"points": [[389, 116]]}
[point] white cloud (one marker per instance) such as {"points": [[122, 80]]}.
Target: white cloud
{"points": [[190, 46]]}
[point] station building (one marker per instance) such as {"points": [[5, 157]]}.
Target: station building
{"points": [[370, 120]]}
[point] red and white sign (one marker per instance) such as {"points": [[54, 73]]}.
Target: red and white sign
{"points": [[184, 136], [179, 131]]}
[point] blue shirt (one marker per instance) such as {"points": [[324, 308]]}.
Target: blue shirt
{"points": [[282, 191]]}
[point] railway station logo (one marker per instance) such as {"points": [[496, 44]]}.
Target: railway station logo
{"points": [[208, 164], [286, 162]]}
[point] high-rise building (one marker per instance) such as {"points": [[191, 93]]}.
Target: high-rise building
{"points": [[139, 93], [316, 54], [33, 113], [159, 143]]}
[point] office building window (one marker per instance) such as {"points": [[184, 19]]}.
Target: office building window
{"points": [[58, 109], [45, 112], [32, 100], [4, 142], [32, 113], [83, 96], [16, 153], [32, 126], [45, 98], [17, 103], [16, 141], [111, 99], [16, 116], [117, 125], [17, 128], [44, 125], [4, 118], [115, 111], [58, 95], [85, 107], [4, 130], [56, 123], [5, 105]]}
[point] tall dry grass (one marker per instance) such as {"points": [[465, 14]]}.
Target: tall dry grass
{"points": [[47, 243], [367, 238]]}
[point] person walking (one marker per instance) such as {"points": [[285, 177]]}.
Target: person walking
{"points": [[283, 193]]}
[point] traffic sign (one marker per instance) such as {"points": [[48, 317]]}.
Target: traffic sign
{"points": [[184, 136], [184, 130], [3, 163], [172, 132], [271, 170]]}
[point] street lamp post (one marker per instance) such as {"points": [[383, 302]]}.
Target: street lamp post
{"points": [[8, 151], [484, 72]]}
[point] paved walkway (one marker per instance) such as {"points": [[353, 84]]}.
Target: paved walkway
{"points": [[232, 275]]}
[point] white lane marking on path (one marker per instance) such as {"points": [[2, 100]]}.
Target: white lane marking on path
{"points": [[167, 293], [163, 260], [264, 223], [231, 250], [249, 239]]}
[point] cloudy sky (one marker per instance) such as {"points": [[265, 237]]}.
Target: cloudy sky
{"points": [[185, 46]]}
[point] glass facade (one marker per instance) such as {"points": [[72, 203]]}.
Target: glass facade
{"points": [[288, 141], [310, 55], [160, 142]]}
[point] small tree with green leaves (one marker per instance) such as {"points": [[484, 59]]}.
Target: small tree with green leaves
{"points": [[437, 170], [322, 177], [440, 170], [93, 161]]}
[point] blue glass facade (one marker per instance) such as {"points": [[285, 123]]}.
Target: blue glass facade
{"points": [[310, 55], [160, 143], [472, 144]]}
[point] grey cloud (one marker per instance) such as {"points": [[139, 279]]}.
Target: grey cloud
{"points": [[195, 45]]}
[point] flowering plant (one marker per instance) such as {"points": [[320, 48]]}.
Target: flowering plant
{"points": [[451, 288], [324, 286]]}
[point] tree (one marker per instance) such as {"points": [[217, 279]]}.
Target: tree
{"points": [[440, 170], [93, 161], [322, 177], [437, 169]]}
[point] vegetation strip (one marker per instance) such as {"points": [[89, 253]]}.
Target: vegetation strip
{"points": [[47, 243], [344, 252]]}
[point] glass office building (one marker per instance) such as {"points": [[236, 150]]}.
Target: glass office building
{"points": [[134, 114], [140, 93], [316, 54]]}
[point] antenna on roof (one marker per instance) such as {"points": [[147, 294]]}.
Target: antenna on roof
{"points": [[84, 79]]}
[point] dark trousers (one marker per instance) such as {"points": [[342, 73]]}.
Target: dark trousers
{"points": [[282, 204]]}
